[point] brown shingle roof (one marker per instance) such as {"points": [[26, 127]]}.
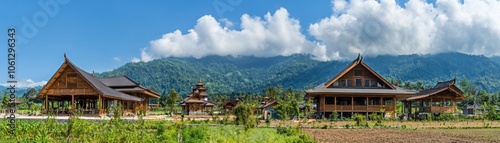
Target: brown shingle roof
{"points": [[124, 83], [101, 87], [439, 87]]}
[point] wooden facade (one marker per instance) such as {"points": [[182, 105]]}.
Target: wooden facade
{"points": [[71, 89], [442, 98], [356, 89], [229, 105], [197, 102]]}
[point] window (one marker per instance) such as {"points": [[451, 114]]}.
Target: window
{"points": [[342, 82], [336, 83], [343, 100], [349, 82], [358, 73], [329, 100], [367, 83], [380, 84], [374, 83], [358, 82], [388, 101], [359, 100], [374, 100]]}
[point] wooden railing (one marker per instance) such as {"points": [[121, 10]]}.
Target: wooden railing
{"points": [[71, 91], [359, 107], [362, 108], [440, 109]]}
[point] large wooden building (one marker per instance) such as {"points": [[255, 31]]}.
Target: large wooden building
{"points": [[197, 102], [73, 89], [356, 89]]}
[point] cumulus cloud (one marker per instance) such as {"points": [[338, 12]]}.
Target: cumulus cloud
{"points": [[275, 34], [369, 27], [375, 28], [26, 83]]}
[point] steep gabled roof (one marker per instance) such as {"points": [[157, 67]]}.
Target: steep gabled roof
{"points": [[440, 87], [356, 62], [126, 84], [93, 81]]}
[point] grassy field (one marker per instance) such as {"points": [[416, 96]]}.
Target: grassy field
{"points": [[78, 130]]}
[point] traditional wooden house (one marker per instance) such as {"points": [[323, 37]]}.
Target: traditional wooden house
{"points": [[197, 102], [230, 104], [71, 88], [356, 89], [268, 108], [441, 98], [473, 110]]}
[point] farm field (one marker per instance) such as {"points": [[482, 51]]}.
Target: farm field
{"points": [[399, 135], [396, 124]]}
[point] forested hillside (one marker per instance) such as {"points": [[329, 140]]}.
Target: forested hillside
{"points": [[226, 75]]}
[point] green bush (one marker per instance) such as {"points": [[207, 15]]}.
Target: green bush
{"points": [[359, 119], [446, 117]]}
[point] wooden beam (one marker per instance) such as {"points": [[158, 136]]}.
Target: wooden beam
{"points": [[335, 103], [352, 103], [47, 104]]}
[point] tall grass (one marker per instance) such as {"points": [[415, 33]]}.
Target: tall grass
{"points": [[115, 131]]}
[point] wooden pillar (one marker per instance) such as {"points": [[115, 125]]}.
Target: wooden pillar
{"points": [[73, 101], [394, 105], [366, 106], [323, 103], [46, 104], [99, 104], [409, 110], [335, 103], [352, 103], [431, 105], [381, 101]]}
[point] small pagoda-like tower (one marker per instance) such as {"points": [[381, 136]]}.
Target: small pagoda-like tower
{"points": [[197, 102]]}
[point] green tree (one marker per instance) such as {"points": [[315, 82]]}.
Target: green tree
{"points": [[172, 100], [244, 115], [5, 100], [163, 99]]}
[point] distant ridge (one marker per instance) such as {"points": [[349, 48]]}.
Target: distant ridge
{"points": [[226, 74]]}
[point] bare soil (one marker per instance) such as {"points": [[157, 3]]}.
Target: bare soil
{"points": [[398, 135], [408, 124]]}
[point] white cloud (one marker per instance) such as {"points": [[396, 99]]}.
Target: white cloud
{"points": [[275, 34], [26, 83], [135, 60], [227, 22], [369, 27], [375, 28], [117, 59]]}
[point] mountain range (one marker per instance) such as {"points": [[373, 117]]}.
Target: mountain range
{"points": [[248, 74]]}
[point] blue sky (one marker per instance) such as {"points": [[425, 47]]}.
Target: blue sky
{"points": [[103, 35]]}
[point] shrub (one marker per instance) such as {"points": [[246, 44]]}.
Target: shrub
{"points": [[446, 117], [334, 116], [359, 118], [288, 131]]}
